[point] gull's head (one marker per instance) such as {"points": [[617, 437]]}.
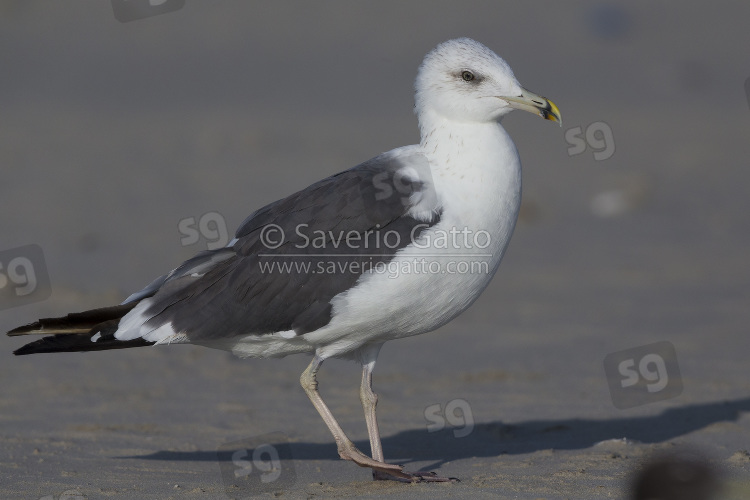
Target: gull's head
{"points": [[462, 80]]}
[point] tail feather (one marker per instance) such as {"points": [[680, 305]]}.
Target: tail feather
{"points": [[92, 330]]}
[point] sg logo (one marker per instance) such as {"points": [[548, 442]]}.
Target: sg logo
{"points": [[23, 276], [211, 226], [656, 378], [257, 465], [270, 469], [407, 184], [643, 375], [598, 137], [457, 413]]}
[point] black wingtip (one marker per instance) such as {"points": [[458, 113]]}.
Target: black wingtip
{"points": [[77, 343], [26, 349], [74, 332]]}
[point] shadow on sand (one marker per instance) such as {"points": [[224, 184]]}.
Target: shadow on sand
{"points": [[492, 439]]}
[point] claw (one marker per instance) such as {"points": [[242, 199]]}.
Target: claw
{"points": [[412, 477]]}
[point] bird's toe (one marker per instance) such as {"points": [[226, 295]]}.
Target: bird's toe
{"points": [[413, 477]]}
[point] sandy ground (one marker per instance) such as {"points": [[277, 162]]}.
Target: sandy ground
{"points": [[112, 133]]}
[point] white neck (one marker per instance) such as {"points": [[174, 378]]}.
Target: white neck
{"points": [[475, 165]]}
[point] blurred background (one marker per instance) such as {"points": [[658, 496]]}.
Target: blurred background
{"points": [[117, 138]]}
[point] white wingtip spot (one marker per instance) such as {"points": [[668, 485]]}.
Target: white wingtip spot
{"points": [[159, 334], [96, 337], [288, 334]]}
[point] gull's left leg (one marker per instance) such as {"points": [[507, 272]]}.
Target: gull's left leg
{"points": [[369, 402]]}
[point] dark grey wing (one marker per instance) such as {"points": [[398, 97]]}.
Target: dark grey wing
{"points": [[202, 262], [293, 256]]}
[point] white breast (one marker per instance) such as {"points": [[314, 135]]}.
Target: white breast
{"points": [[477, 177]]}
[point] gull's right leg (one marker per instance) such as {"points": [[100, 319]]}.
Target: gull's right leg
{"points": [[369, 402], [346, 448]]}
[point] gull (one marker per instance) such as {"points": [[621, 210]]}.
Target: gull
{"points": [[396, 246]]}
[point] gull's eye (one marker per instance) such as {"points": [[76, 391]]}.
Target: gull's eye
{"points": [[467, 75]]}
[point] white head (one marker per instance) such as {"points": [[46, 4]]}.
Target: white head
{"points": [[462, 80]]}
